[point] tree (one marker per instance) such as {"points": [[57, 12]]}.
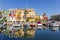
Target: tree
{"points": [[55, 17], [25, 12], [4, 19]]}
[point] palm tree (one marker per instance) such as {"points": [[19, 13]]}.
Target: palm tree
{"points": [[25, 12], [44, 14], [25, 15]]}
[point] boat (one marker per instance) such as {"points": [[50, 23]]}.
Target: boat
{"points": [[39, 25], [54, 25], [32, 25]]}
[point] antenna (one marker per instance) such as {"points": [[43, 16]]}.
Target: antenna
{"points": [[26, 4]]}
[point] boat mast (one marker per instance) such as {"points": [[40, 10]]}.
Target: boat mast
{"points": [[26, 4]]}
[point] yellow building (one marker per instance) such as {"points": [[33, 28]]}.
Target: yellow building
{"points": [[19, 15], [37, 17], [31, 14]]}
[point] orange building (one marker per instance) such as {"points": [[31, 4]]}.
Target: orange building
{"points": [[45, 17]]}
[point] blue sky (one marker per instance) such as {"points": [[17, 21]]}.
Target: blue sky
{"points": [[50, 7]]}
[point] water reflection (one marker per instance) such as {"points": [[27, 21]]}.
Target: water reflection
{"points": [[45, 33], [54, 28]]}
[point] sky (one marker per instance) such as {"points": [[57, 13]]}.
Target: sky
{"points": [[50, 7]]}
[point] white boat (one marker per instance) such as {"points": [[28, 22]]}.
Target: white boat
{"points": [[56, 24], [55, 28]]}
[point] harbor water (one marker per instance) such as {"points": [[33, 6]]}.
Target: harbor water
{"points": [[40, 34]]}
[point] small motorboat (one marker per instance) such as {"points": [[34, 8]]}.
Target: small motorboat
{"points": [[39, 24], [32, 25], [54, 25]]}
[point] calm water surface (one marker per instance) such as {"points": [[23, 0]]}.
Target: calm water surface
{"points": [[40, 35]]}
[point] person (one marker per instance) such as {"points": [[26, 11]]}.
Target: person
{"points": [[27, 24]]}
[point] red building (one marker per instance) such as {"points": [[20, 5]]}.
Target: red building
{"points": [[45, 17]]}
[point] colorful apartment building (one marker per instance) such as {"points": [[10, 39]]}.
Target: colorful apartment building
{"points": [[31, 15], [23, 15], [45, 18], [19, 15], [6, 12], [37, 17]]}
